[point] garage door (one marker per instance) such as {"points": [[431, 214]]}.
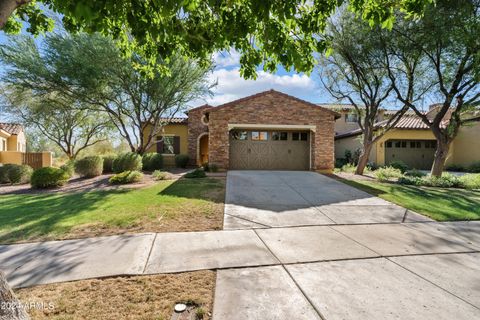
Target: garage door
{"points": [[269, 150], [416, 154]]}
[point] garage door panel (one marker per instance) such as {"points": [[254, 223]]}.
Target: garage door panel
{"points": [[269, 154]]}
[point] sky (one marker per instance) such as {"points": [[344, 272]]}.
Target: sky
{"points": [[232, 86]]}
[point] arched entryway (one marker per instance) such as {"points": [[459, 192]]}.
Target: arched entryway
{"points": [[202, 149]]}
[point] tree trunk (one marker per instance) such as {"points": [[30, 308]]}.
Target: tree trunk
{"points": [[7, 7], [363, 159], [441, 154], [9, 305]]}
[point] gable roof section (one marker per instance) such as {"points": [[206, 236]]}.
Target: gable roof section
{"points": [[11, 128], [284, 95]]}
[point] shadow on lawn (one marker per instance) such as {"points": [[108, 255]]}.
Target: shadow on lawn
{"points": [[209, 189], [459, 199], [34, 215]]}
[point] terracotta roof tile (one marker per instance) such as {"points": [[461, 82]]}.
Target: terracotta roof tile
{"points": [[176, 120], [12, 128]]}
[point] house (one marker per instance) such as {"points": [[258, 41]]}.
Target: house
{"points": [[410, 141], [13, 148], [268, 130]]}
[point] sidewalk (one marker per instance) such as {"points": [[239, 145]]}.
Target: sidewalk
{"points": [[150, 253]]}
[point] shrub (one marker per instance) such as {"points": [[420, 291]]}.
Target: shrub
{"points": [[399, 164], [347, 155], [160, 175], [372, 166], [108, 163], [48, 177], [474, 167], [470, 181], [197, 173], [4, 174], [19, 173], [126, 177], [129, 161], [414, 173], [69, 168], [349, 167], [447, 180], [340, 162], [387, 173], [152, 161], [181, 160], [455, 167], [89, 167], [411, 180]]}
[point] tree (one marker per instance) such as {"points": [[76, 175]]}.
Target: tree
{"points": [[447, 39], [354, 72], [267, 32], [68, 124], [90, 69], [11, 307]]}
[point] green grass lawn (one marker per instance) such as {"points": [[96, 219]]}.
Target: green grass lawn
{"points": [[181, 205], [441, 204]]}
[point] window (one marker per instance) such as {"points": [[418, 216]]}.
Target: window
{"points": [[404, 144], [412, 144], [239, 135], [279, 136], [388, 144], [351, 117], [302, 136], [3, 145], [397, 144], [431, 144], [168, 145], [259, 135], [415, 144]]}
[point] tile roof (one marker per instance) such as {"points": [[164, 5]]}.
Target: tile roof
{"points": [[12, 128], [176, 120], [407, 122]]}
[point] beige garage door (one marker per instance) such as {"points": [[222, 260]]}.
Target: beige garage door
{"points": [[416, 154], [269, 150]]}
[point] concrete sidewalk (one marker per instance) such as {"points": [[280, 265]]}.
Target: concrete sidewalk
{"points": [[149, 253]]}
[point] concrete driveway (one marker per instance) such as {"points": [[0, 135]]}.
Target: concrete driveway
{"points": [[263, 199], [344, 254]]}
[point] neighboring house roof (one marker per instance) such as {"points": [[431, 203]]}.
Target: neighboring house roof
{"points": [[176, 120], [254, 96], [11, 128], [407, 122]]}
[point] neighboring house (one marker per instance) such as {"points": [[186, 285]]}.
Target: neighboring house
{"points": [[412, 142], [268, 130], [13, 148]]}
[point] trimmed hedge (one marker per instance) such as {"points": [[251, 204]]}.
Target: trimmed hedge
{"points": [[89, 167], [4, 173], [126, 177], [69, 168], [152, 161], [181, 160], [387, 173], [129, 161], [399, 164], [108, 163], [20, 173], [48, 177]]}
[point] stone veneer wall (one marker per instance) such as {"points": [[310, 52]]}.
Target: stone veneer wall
{"points": [[195, 128], [272, 108]]}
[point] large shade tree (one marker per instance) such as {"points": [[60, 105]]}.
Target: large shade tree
{"points": [[447, 39], [69, 124], [354, 72], [91, 70], [268, 32]]}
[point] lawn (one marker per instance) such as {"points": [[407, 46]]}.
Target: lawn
{"points": [[139, 297], [441, 204], [171, 205]]}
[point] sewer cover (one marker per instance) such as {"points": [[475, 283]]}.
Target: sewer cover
{"points": [[180, 307]]}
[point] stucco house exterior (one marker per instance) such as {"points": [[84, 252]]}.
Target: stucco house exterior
{"points": [[13, 148], [268, 130], [411, 141]]}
